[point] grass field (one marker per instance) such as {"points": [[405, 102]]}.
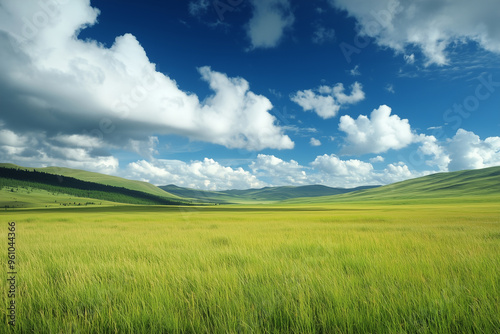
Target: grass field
{"points": [[326, 268]]}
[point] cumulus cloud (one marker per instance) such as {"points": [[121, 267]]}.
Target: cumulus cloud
{"points": [[11, 140], [327, 170], [335, 172], [51, 81], [326, 101], [270, 20], [464, 151], [333, 165], [430, 146], [382, 132], [376, 134], [268, 170], [315, 142], [397, 172], [431, 26], [376, 159], [207, 174], [279, 172], [34, 149], [468, 151]]}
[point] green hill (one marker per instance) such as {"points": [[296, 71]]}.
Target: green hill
{"points": [[99, 178], [17, 180], [28, 197], [465, 184], [267, 194]]}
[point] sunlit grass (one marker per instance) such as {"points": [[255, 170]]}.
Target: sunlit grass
{"points": [[346, 268]]}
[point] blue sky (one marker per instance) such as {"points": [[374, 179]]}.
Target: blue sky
{"points": [[251, 93]]}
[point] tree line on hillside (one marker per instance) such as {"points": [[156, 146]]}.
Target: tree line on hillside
{"points": [[10, 177]]}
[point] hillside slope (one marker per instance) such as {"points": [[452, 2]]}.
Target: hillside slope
{"points": [[466, 183], [17, 179], [99, 178]]}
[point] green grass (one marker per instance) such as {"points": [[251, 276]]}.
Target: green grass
{"points": [[36, 198], [324, 268]]}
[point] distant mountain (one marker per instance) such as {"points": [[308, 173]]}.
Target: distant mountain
{"points": [[267, 194], [465, 184]]}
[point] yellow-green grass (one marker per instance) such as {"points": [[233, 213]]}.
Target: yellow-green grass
{"points": [[338, 268]]}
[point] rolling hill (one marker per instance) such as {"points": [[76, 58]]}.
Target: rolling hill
{"points": [[462, 184], [267, 194], [99, 178], [16, 181], [465, 184]]}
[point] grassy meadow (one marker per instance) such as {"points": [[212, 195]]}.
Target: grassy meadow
{"points": [[319, 268]]}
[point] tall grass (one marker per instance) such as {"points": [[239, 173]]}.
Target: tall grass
{"points": [[346, 269]]}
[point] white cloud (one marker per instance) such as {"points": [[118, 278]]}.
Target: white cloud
{"points": [[377, 134], [54, 82], [335, 172], [279, 172], [326, 101], [430, 146], [376, 159], [267, 170], [315, 142], [328, 170], [35, 149], [331, 164], [468, 151], [84, 141], [397, 172], [207, 174], [322, 35], [432, 26], [269, 21], [11, 139]]}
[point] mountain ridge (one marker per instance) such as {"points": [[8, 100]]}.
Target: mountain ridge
{"points": [[265, 194], [464, 183]]}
